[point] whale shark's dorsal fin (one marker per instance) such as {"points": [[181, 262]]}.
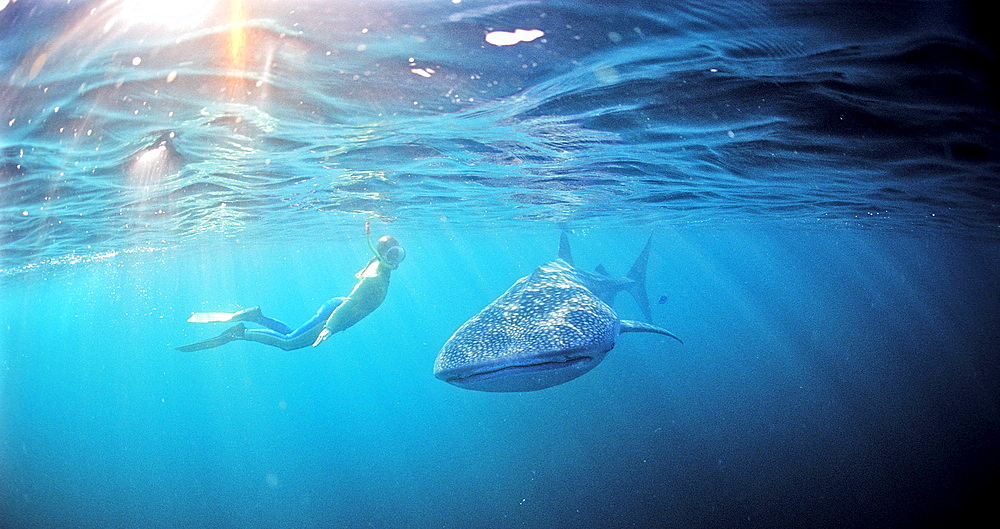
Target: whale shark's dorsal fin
{"points": [[564, 252], [601, 270]]}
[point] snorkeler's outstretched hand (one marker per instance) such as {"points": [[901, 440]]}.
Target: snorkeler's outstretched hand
{"points": [[323, 335]]}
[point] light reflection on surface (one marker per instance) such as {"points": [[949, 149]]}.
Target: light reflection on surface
{"points": [[173, 14], [509, 38], [264, 97]]}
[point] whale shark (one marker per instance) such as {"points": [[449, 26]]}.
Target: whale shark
{"points": [[548, 328]]}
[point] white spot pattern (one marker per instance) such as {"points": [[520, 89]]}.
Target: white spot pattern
{"points": [[549, 311]]}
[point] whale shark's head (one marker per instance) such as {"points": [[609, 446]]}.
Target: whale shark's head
{"points": [[545, 330]]}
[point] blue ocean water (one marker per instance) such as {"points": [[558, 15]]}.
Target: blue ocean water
{"points": [[820, 180]]}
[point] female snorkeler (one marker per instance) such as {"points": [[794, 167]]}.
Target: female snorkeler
{"points": [[334, 316]]}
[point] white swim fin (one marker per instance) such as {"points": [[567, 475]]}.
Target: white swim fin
{"points": [[236, 332], [211, 317]]}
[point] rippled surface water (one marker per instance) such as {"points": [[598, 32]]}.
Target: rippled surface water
{"points": [[818, 179], [318, 113]]}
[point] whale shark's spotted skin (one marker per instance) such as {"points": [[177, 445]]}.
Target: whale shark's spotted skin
{"points": [[548, 328], [546, 311]]}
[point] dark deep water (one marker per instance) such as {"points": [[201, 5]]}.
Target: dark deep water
{"points": [[819, 178]]}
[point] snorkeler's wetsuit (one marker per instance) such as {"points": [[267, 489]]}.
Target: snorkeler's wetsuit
{"points": [[336, 314]]}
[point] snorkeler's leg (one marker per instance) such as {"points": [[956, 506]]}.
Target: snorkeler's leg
{"points": [[236, 332], [301, 337], [253, 315]]}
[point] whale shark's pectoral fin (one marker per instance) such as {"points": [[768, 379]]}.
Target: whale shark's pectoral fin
{"points": [[638, 326]]}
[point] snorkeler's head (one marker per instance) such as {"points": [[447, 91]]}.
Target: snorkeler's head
{"points": [[390, 251]]}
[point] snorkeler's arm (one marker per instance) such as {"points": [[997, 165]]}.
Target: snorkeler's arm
{"points": [[323, 335]]}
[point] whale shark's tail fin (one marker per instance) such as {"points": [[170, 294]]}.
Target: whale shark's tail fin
{"points": [[564, 252], [638, 285]]}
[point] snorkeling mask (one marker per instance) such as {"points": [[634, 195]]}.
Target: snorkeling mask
{"points": [[390, 251]]}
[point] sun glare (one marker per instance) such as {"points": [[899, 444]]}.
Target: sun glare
{"points": [[237, 32]]}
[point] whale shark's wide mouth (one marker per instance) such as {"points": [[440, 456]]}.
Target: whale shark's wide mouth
{"points": [[521, 377], [547, 365]]}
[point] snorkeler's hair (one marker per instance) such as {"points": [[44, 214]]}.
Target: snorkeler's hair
{"points": [[386, 242]]}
